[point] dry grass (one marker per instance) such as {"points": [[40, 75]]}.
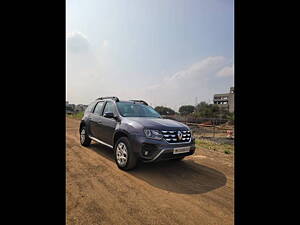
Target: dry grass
{"points": [[211, 145], [76, 116]]}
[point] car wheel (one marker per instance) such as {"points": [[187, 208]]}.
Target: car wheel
{"points": [[124, 156], [84, 138]]}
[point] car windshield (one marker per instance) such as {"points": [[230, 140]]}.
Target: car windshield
{"points": [[130, 109]]}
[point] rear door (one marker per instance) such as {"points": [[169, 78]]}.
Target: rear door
{"points": [[96, 121], [109, 124], [87, 113]]}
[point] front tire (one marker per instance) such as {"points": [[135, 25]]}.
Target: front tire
{"points": [[124, 156], [84, 138]]}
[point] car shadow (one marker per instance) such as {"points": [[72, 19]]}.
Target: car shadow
{"points": [[186, 176]]}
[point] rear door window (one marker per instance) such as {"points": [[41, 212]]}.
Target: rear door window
{"points": [[109, 108], [98, 108]]}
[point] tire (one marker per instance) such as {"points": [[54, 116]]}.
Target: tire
{"points": [[124, 156], [84, 138]]}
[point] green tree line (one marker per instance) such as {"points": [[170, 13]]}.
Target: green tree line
{"points": [[202, 110]]}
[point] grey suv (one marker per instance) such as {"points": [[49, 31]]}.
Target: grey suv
{"points": [[135, 131]]}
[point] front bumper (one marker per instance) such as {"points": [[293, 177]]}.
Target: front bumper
{"points": [[158, 149]]}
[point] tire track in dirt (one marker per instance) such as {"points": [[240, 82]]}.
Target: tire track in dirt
{"points": [[195, 191]]}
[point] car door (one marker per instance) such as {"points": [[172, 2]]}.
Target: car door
{"points": [[87, 115], [96, 121], [109, 124]]}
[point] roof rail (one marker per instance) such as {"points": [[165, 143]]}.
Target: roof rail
{"points": [[112, 97], [139, 101]]}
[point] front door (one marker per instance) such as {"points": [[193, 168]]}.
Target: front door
{"points": [[109, 124], [96, 121]]}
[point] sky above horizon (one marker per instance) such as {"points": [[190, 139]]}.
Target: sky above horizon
{"points": [[166, 52]]}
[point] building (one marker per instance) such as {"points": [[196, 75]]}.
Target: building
{"points": [[225, 101], [72, 108]]}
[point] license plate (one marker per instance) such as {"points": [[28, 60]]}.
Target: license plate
{"points": [[181, 150]]}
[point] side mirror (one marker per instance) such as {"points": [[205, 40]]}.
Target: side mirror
{"points": [[109, 115]]}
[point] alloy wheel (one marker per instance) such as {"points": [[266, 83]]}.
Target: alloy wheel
{"points": [[82, 136], [121, 154]]}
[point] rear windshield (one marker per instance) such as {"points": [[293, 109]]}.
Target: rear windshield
{"points": [[130, 109]]}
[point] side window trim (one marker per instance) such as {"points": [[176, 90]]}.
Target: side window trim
{"points": [[91, 107], [104, 108]]}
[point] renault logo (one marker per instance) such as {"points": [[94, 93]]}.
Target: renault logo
{"points": [[179, 134]]}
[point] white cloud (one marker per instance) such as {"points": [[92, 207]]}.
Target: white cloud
{"points": [[90, 75], [183, 86], [200, 68], [226, 71], [85, 77]]}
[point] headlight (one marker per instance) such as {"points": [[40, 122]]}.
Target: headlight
{"points": [[154, 134], [191, 132]]}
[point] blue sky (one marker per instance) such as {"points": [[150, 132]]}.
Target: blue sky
{"points": [[153, 50]]}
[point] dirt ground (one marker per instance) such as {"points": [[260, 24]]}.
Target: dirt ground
{"points": [[197, 190]]}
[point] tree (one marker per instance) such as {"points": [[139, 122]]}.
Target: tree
{"points": [[201, 106], [186, 109], [164, 110], [203, 109], [230, 117], [211, 110]]}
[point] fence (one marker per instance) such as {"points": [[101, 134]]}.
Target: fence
{"points": [[214, 131], [207, 127], [193, 119]]}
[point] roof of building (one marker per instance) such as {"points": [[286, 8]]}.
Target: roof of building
{"points": [[221, 95]]}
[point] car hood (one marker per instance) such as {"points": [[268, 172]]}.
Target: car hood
{"points": [[158, 123]]}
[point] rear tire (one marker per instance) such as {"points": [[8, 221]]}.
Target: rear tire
{"points": [[84, 138], [124, 156]]}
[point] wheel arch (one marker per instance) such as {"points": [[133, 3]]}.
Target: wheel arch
{"points": [[82, 123], [118, 134]]}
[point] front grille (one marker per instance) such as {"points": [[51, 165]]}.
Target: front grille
{"points": [[173, 136]]}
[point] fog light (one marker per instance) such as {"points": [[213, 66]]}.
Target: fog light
{"points": [[146, 153]]}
